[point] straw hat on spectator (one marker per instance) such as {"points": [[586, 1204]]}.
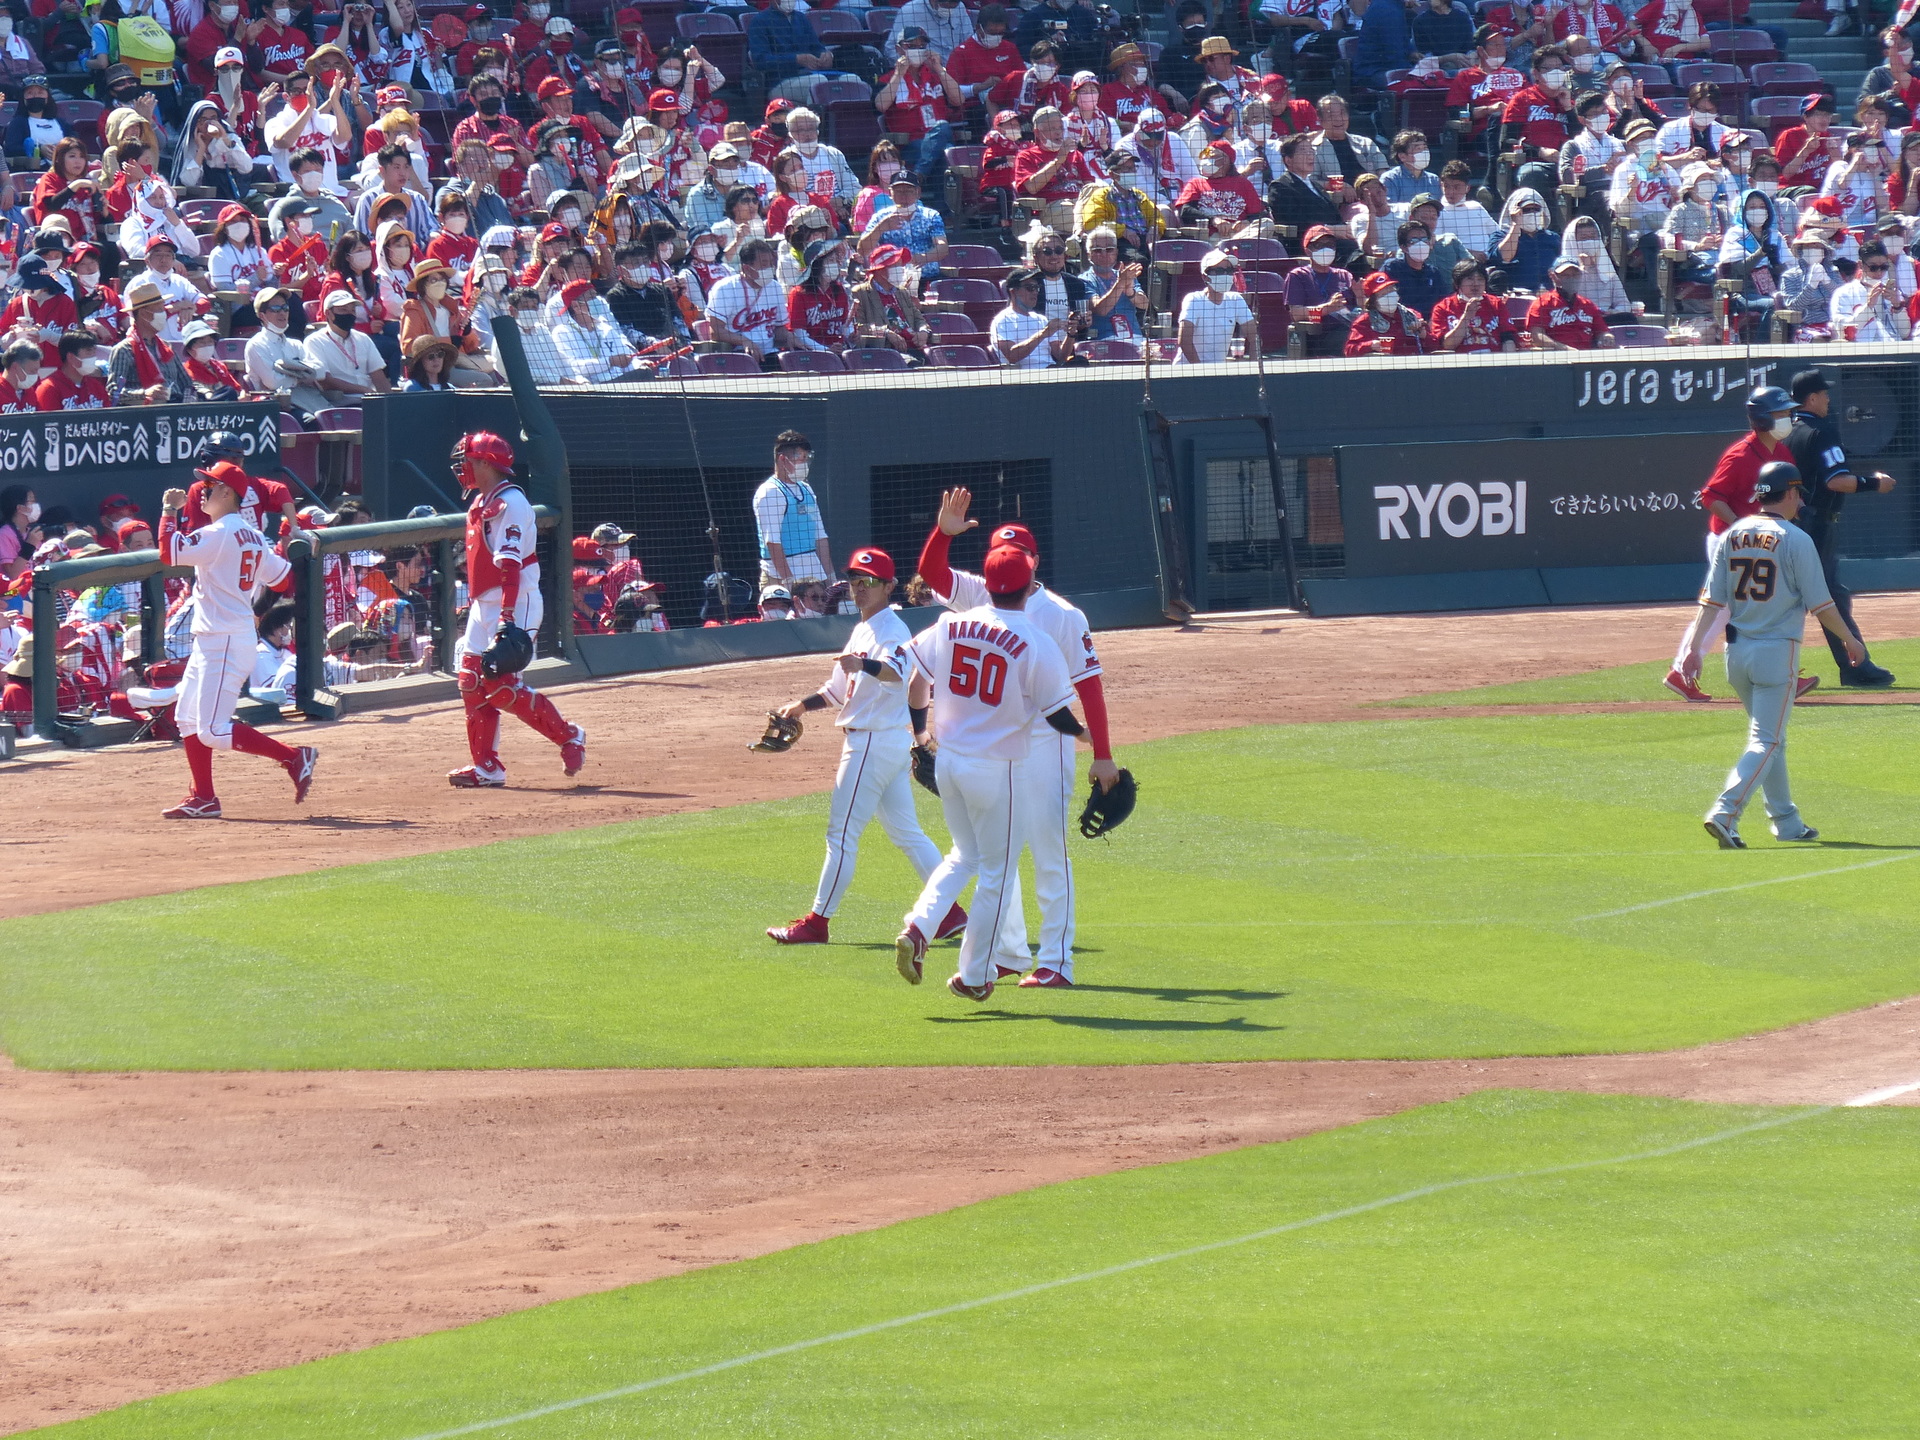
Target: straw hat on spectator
{"points": [[809, 217], [142, 292], [431, 269], [342, 635], [1811, 237], [1639, 130], [327, 57], [1217, 45], [1123, 53], [21, 667], [425, 345]]}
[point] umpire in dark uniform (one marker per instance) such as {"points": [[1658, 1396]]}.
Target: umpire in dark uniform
{"points": [[1822, 461]]}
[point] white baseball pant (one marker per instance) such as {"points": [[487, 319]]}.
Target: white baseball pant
{"points": [[875, 776], [1044, 788], [210, 687], [977, 796], [1716, 624], [1765, 674], [483, 616]]}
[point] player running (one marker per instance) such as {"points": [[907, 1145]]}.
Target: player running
{"points": [[994, 673], [870, 684], [1763, 578], [503, 576], [231, 560], [1047, 779]]}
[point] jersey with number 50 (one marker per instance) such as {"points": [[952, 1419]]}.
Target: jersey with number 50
{"points": [[993, 673], [231, 560], [1767, 573]]}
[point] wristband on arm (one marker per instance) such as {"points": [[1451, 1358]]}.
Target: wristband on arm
{"points": [[815, 701], [917, 714], [872, 666]]}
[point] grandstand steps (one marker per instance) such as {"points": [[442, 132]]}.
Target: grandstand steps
{"points": [[1842, 59]]}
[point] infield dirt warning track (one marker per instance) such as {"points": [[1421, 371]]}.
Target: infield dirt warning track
{"points": [[159, 1231]]}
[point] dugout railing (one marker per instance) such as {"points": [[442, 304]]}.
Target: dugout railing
{"points": [[141, 566]]}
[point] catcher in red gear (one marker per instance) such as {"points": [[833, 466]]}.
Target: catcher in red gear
{"points": [[503, 578]]}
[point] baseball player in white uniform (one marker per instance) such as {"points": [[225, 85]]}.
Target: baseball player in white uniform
{"points": [[994, 672], [1765, 576], [870, 684], [1048, 781], [231, 561]]}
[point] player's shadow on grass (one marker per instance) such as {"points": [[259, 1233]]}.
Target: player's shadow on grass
{"points": [[1858, 845], [1237, 1024], [1179, 996]]}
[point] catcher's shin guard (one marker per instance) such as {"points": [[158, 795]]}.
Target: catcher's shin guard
{"points": [[483, 720], [542, 714]]}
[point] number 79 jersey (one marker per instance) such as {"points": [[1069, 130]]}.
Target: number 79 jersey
{"points": [[1766, 572], [993, 673]]}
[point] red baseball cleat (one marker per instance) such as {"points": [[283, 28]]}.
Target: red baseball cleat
{"points": [[194, 807], [1046, 978], [955, 922], [970, 992], [809, 929], [573, 752], [1688, 690], [472, 777], [1006, 972], [302, 771], [909, 954], [1805, 683]]}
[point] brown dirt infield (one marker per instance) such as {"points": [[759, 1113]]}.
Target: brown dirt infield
{"points": [[159, 1231]]}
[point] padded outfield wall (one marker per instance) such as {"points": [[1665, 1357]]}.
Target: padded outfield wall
{"points": [[1412, 485]]}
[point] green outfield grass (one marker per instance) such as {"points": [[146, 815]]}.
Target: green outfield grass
{"points": [[1759, 1283], [1399, 888], [1642, 682]]}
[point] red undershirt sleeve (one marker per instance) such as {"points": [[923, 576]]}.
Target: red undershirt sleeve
{"points": [[168, 529], [934, 567], [1093, 701], [509, 585]]}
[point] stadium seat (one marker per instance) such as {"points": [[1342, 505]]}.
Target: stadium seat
{"points": [[727, 362], [975, 262], [682, 367], [828, 23], [719, 39], [1263, 291], [814, 362], [1787, 77], [1632, 337], [868, 360], [960, 357], [201, 215], [1655, 80], [880, 21], [345, 417], [1734, 87], [657, 19], [1257, 254], [1517, 307], [231, 349], [1776, 113], [1109, 352], [1176, 272], [1741, 47], [963, 174], [1669, 107], [981, 299]]}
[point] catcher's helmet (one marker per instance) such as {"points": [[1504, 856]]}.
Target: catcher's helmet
{"points": [[509, 654], [484, 446], [1766, 402], [225, 445], [1774, 480]]}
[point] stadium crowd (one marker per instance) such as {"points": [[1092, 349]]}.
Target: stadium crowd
{"points": [[325, 205]]}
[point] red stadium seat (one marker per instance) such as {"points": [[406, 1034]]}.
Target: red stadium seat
{"points": [[1633, 337], [813, 362], [869, 360], [727, 362], [719, 38], [1788, 77], [960, 357], [1109, 352], [981, 299]]}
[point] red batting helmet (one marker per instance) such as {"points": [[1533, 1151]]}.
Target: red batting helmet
{"points": [[484, 446], [1016, 535]]}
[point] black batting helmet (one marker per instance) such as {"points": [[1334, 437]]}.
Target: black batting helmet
{"points": [[1774, 480]]}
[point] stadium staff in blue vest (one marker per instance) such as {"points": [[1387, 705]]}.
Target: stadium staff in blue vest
{"points": [[793, 536]]}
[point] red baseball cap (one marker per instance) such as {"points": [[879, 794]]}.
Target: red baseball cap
{"points": [[664, 100], [871, 561], [502, 141], [554, 230], [778, 106], [574, 292], [117, 501], [1008, 569], [886, 256], [1016, 535], [585, 547], [390, 95], [552, 88], [1376, 282]]}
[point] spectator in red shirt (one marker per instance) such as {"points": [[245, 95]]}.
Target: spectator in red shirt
{"points": [[1131, 89], [1039, 86], [1563, 318], [1385, 326], [1806, 150], [819, 308], [1290, 116], [1469, 321], [987, 64], [1539, 117], [1483, 89], [1599, 22], [1218, 197], [1051, 170], [221, 28], [280, 48], [920, 100], [76, 385], [771, 137], [1673, 29]]}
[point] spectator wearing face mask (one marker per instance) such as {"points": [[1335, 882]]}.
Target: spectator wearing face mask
{"points": [[1807, 286], [1319, 296], [536, 339], [1041, 85], [1858, 181], [1643, 193], [884, 313], [593, 348], [946, 26], [640, 305], [819, 309], [144, 369], [1589, 159], [1115, 205], [1162, 162], [277, 361], [1409, 176], [277, 45], [1598, 281], [1754, 253], [727, 171], [1212, 317], [1696, 225], [21, 360], [703, 269], [309, 122], [920, 100], [1420, 282], [1562, 318], [987, 64], [344, 360], [76, 384], [1469, 321], [309, 196], [1538, 120], [1867, 309], [1130, 90], [1384, 325], [1697, 135], [1052, 171], [784, 47], [40, 309], [1219, 198], [1525, 248], [750, 309], [208, 378]]}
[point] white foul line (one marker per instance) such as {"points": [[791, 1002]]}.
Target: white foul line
{"points": [[1876, 1097], [1749, 885], [642, 1386]]}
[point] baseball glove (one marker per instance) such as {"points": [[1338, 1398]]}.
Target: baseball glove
{"points": [[923, 769], [1106, 809], [509, 654], [781, 733]]}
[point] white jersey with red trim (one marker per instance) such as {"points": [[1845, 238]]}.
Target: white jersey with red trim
{"points": [[505, 527], [868, 702], [231, 561], [1063, 622], [994, 673]]}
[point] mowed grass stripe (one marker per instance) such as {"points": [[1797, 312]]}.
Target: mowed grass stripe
{"points": [[1406, 888], [1734, 1281]]}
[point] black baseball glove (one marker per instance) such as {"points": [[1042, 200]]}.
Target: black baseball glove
{"points": [[1106, 809], [923, 768], [509, 654], [781, 733]]}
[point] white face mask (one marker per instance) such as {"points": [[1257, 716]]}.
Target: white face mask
{"points": [[807, 147], [1782, 427], [1583, 63], [6, 26], [1220, 104], [1555, 79], [1220, 284], [1644, 150], [636, 275], [1597, 124], [1136, 76], [200, 354], [897, 274], [1756, 220], [1703, 191], [1532, 221], [90, 365], [239, 231], [917, 55], [33, 506], [310, 181], [706, 254], [669, 78], [1259, 131], [1767, 187], [53, 260], [1387, 303], [1623, 86], [89, 283], [728, 177], [830, 271], [1209, 167], [1496, 62], [282, 18], [1418, 250], [539, 12], [227, 14], [1587, 247], [1045, 72], [1419, 158], [275, 323], [801, 469], [495, 283], [1321, 257]]}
